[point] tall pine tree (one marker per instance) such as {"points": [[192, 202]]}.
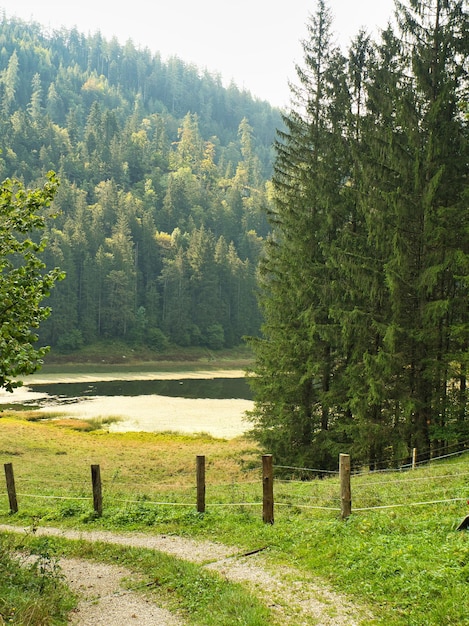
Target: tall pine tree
{"points": [[295, 360], [364, 279]]}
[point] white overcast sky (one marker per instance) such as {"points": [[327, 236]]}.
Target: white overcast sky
{"points": [[255, 43]]}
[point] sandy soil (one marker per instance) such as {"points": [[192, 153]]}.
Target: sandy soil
{"points": [[219, 418], [41, 378], [295, 599]]}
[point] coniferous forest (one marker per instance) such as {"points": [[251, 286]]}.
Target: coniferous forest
{"points": [[163, 187], [365, 276]]}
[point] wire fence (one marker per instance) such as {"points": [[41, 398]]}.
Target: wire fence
{"points": [[326, 491]]}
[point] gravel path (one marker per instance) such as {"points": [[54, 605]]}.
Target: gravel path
{"points": [[296, 599], [104, 602]]}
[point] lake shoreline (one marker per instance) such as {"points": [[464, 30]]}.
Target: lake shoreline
{"points": [[223, 418], [45, 377]]}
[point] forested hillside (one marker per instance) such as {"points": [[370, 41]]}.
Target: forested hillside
{"points": [[163, 187]]}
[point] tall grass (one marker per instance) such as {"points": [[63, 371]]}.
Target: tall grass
{"points": [[32, 592], [399, 552]]}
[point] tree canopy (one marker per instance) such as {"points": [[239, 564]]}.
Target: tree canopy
{"points": [[23, 282], [364, 279], [163, 176]]}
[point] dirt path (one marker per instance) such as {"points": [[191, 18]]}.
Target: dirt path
{"points": [[296, 599], [103, 600]]}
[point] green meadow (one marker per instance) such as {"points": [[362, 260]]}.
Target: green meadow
{"points": [[400, 554]]}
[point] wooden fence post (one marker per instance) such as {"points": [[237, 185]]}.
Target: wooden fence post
{"points": [[97, 492], [414, 457], [200, 480], [267, 489], [345, 487], [10, 479]]}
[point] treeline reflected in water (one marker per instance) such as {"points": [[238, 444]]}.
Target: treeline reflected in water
{"points": [[213, 388]]}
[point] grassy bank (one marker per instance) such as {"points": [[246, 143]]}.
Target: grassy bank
{"points": [[114, 355], [399, 552]]}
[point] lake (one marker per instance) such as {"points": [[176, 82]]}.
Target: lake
{"points": [[190, 402]]}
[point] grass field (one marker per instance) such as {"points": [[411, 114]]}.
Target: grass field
{"points": [[399, 553]]}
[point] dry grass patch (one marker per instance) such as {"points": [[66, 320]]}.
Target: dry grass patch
{"points": [[54, 457]]}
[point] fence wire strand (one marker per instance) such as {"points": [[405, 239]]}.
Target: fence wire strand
{"points": [[407, 504], [317, 494]]}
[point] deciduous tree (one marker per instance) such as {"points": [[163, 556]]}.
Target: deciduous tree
{"points": [[24, 281]]}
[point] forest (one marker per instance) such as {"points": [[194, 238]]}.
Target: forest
{"points": [[364, 282], [163, 190]]}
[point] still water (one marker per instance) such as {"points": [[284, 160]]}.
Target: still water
{"points": [[209, 388], [216, 406]]}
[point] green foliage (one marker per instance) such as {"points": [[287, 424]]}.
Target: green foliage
{"points": [[215, 337], [364, 279], [157, 340], [24, 283], [70, 342], [32, 592], [157, 162]]}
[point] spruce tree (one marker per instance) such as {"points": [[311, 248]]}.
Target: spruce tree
{"points": [[360, 302], [414, 199], [294, 367]]}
